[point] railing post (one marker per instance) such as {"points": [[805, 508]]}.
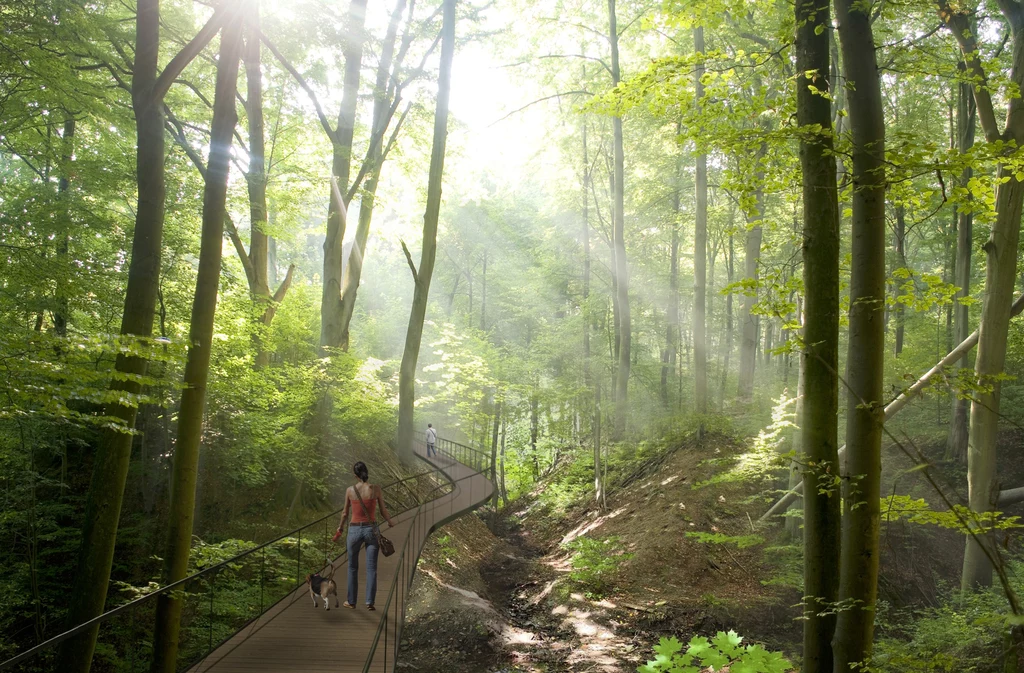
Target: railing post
{"points": [[213, 580]]}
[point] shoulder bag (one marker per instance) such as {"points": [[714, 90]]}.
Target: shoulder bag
{"points": [[385, 545]]}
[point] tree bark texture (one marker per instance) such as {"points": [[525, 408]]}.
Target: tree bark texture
{"points": [[422, 275], [749, 321], [382, 113], [1001, 256], [110, 468], [700, 252], [619, 241], [862, 473], [184, 475], [820, 358], [341, 166], [956, 447], [258, 258], [899, 310]]}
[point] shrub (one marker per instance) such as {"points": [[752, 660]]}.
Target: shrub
{"points": [[724, 650], [595, 563]]}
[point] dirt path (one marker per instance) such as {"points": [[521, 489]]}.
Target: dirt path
{"points": [[514, 612]]}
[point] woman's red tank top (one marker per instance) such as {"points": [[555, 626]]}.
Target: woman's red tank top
{"points": [[360, 515]]}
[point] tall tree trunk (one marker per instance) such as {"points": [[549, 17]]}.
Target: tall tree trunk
{"points": [[901, 262], [820, 358], [483, 295], [383, 110], [618, 234], [494, 459], [748, 345], [672, 313], [110, 467], [956, 447], [501, 479], [858, 583], [422, 276], [700, 250], [793, 523], [728, 319], [534, 430], [1000, 272], [341, 166], [197, 367], [589, 323], [61, 309], [259, 266]]}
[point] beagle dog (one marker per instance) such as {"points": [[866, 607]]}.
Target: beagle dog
{"points": [[325, 587]]}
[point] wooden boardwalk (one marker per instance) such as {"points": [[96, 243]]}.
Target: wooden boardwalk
{"points": [[293, 636]]}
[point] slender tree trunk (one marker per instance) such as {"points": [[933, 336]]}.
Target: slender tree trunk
{"points": [[819, 422], [748, 345], [534, 430], [728, 320], [858, 584], [382, 113], [589, 380], [422, 275], [901, 261], [700, 251], [503, 488], [483, 295], [621, 264], [259, 257], [494, 460], [341, 166], [110, 467], [956, 447], [793, 523], [672, 313], [193, 398], [61, 312]]}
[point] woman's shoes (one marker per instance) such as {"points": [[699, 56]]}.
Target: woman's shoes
{"points": [[348, 605], [370, 607]]}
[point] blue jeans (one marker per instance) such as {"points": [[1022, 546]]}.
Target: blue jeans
{"points": [[431, 449], [357, 537]]}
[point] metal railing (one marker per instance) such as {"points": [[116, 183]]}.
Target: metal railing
{"points": [[226, 598], [429, 516]]}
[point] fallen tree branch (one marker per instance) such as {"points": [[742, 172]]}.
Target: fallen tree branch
{"points": [[901, 401]]}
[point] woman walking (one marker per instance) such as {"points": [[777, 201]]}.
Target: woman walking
{"points": [[361, 500]]}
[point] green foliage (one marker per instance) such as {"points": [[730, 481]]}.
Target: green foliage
{"points": [[964, 632], [960, 518], [769, 452], [595, 563], [725, 651]]}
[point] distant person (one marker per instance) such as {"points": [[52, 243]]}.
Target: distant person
{"points": [[431, 440], [362, 499]]}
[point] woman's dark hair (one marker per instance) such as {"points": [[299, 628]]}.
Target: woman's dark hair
{"points": [[361, 471]]}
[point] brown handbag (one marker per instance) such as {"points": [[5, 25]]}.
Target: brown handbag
{"points": [[385, 545]]}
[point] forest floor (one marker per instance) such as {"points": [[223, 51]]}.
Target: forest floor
{"points": [[684, 557], [507, 601]]}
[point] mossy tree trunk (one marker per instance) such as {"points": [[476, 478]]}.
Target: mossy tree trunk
{"points": [[422, 275], [862, 473], [819, 423], [110, 468], [185, 470]]}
